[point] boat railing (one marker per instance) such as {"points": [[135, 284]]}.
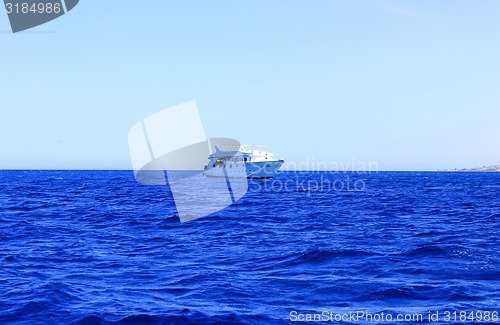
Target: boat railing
{"points": [[229, 147], [243, 147], [254, 145]]}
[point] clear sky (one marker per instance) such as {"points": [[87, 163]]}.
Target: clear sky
{"points": [[411, 85]]}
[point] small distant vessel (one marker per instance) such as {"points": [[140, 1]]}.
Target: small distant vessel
{"points": [[242, 161]]}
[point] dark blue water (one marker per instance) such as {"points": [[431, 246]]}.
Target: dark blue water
{"points": [[95, 247]]}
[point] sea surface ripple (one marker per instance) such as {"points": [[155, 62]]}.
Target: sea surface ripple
{"points": [[96, 247]]}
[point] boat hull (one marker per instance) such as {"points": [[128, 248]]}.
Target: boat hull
{"points": [[261, 169]]}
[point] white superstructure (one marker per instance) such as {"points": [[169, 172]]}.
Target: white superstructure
{"points": [[242, 161]]}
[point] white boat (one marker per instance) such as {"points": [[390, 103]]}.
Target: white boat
{"points": [[242, 161]]}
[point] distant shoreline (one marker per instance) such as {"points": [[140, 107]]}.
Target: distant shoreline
{"points": [[488, 169]]}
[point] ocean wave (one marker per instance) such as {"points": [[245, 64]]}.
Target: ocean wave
{"points": [[85, 247]]}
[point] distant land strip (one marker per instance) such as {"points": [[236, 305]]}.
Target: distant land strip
{"points": [[477, 169]]}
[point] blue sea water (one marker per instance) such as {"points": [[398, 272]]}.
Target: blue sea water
{"points": [[96, 247]]}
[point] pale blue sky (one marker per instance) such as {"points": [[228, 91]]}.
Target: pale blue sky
{"points": [[411, 85]]}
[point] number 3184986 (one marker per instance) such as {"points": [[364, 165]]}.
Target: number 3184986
{"points": [[35, 8]]}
